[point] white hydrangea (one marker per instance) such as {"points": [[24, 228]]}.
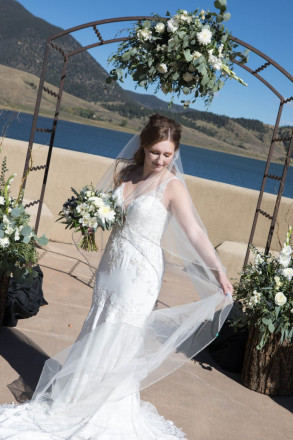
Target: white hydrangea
{"points": [[160, 28], [288, 273], [172, 25], [280, 299], [204, 37], [162, 68], [144, 34], [4, 242], [255, 298]]}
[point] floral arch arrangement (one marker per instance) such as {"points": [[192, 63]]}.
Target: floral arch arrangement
{"points": [[189, 53]]}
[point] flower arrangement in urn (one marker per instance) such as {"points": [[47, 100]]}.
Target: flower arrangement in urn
{"points": [[266, 293], [190, 52], [18, 241]]}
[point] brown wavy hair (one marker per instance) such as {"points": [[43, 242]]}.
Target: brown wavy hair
{"points": [[158, 129]]}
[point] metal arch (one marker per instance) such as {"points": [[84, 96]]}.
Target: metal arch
{"points": [[51, 44]]}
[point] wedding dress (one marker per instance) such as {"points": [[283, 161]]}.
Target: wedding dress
{"points": [[90, 391]]}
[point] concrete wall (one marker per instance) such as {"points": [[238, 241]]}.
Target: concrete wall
{"points": [[226, 210]]}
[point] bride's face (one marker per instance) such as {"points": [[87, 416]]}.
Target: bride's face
{"points": [[158, 156]]}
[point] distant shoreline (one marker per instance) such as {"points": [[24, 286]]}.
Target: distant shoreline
{"points": [[109, 126]]}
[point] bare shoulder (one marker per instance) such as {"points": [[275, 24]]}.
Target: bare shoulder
{"points": [[176, 190]]}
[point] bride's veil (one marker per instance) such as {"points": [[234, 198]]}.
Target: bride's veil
{"points": [[191, 308]]}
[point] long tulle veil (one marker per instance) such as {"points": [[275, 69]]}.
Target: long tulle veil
{"points": [[78, 380]]}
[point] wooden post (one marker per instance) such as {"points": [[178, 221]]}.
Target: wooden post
{"points": [[269, 370]]}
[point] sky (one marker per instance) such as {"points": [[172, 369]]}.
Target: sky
{"points": [[264, 24]]}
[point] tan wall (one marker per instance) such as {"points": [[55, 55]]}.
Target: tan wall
{"points": [[226, 210]]}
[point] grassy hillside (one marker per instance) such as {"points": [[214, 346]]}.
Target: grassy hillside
{"points": [[18, 90]]}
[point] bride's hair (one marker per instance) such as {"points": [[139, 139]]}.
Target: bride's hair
{"points": [[158, 129]]}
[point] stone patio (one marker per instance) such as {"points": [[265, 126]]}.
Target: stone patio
{"points": [[207, 402]]}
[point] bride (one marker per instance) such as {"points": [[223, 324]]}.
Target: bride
{"points": [[90, 391]]}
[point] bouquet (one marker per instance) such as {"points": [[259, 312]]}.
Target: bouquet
{"points": [[17, 239], [266, 292], [190, 52], [89, 209]]}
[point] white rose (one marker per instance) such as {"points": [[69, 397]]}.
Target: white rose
{"points": [[160, 28], [4, 242], [187, 77], [5, 220], [2, 200], [16, 235], [162, 68], [288, 273], [144, 34], [204, 36], [172, 25], [220, 50], [284, 259], [97, 201], [280, 299]]}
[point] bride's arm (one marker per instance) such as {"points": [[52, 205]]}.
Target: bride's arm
{"points": [[181, 206]]}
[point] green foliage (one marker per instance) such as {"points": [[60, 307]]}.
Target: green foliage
{"points": [[266, 293], [190, 53], [18, 252]]}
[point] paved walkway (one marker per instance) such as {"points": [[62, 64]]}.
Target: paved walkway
{"points": [[205, 401]]}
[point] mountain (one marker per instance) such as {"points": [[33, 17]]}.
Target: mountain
{"points": [[22, 43]]}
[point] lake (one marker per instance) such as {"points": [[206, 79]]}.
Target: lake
{"points": [[200, 162]]}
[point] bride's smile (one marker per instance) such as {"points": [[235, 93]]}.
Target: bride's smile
{"points": [[158, 156]]}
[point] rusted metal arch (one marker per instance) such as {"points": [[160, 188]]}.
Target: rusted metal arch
{"points": [[51, 45]]}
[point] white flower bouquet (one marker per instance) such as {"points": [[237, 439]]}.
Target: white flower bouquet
{"points": [[190, 52], [266, 293], [89, 209], [18, 241]]}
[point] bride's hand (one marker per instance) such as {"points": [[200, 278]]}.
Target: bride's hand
{"points": [[225, 283]]}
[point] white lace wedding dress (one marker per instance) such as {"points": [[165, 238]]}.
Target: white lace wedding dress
{"points": [[91, 390]]}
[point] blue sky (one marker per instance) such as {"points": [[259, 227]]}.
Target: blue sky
{"points": [[265, 24]]}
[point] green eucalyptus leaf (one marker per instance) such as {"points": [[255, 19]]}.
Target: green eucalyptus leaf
{"points": [[187, 55], [181, 34], [220, 18], [26, 239], [26, 230], [1, 233], [220, 3], [204, 80], [271, 327], [126, 56], [221, 84], [43, 240], [226, 16], [15, 212]]}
